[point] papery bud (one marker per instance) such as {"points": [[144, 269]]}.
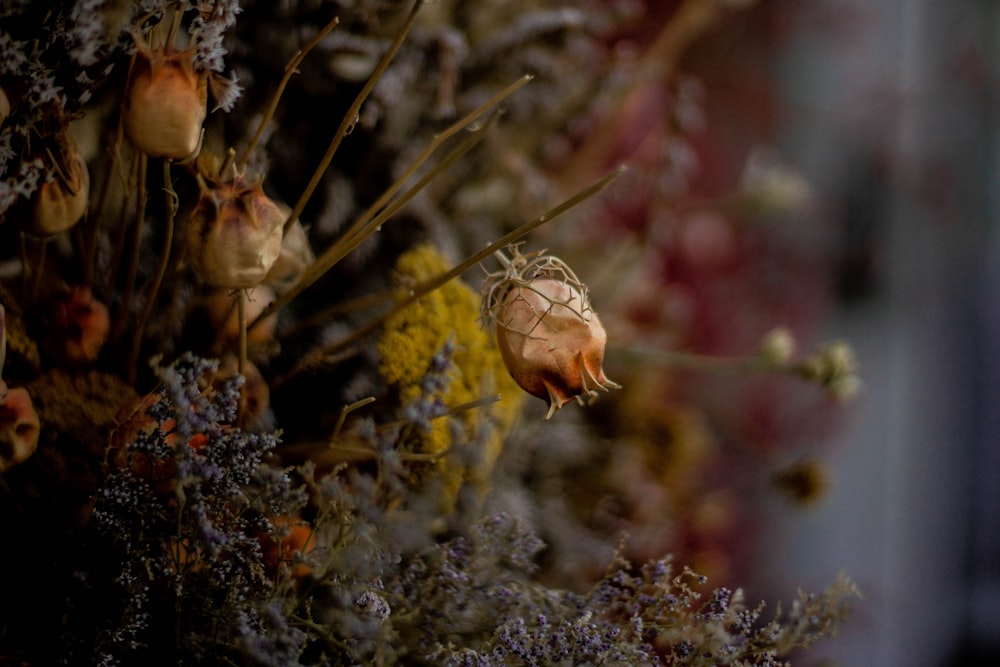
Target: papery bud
{"points": [[234, 234], [59, 203], [551, 340], [19, 427], [165, 103]]}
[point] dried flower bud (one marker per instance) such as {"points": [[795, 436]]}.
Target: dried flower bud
{"points": [[19, 427], [165, 103], [777, 347], [78, 327], [833, 365], [59, 203], [551, 340], [234, 234]]}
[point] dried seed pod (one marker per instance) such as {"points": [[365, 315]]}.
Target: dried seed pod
{"points": [[19, 424], [234, 234], [19, 427], [78, 326], [551, 340], [59, 203], [165, 103]]}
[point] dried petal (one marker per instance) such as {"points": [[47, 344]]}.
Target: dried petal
{"points": [[166, 103]]}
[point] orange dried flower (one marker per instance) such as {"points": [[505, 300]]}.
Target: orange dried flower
{"points": [[165, 103], [234, 234], [19, 423], [550, 338], [19, 427]]}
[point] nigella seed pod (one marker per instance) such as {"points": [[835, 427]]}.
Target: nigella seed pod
{"points": [[165, 103], [234, 234], [60, 202], [551, 340]]}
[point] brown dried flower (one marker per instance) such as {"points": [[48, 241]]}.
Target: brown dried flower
{"points": [[165, 103], [550, 338], [234, 234], [60, 202]]}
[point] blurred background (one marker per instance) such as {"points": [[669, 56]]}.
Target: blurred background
{"points": [[890, 112]]}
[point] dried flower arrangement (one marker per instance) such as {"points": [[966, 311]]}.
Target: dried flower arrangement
{"points": [[220, 446]]}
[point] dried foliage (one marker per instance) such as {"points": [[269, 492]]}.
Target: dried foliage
{"points": [[295, 471]]}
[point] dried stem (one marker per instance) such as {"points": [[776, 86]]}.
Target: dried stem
{"points": [[369, 221], [658, 64], [241, 310], [133, 266], [352, 113], [290, 69], [407, 296], [161, 270]]}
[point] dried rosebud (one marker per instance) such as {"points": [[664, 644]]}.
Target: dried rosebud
{"points": [[61, 201], [234, 234], [551, 340], [19, 427], [165, 103], [78, 327]]}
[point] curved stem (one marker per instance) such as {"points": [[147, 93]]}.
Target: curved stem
{"points": [[161, 269], [371, 219], [350, 117], [290, 69], [133, 267]]}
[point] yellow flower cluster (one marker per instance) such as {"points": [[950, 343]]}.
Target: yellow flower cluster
{"points": [[407, 347]]}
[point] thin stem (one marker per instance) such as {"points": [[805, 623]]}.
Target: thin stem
{"points": [[432, 147], [407, 296], [355, 237], [128, 290], [241, 313], [693, 361], [344, 411], [290, 69], [175, 25], [350, 117], [368, 221], [658, 64], [161, 269], [36, 284]]}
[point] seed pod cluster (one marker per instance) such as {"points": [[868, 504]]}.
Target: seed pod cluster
{"points": [[550, 338]]}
